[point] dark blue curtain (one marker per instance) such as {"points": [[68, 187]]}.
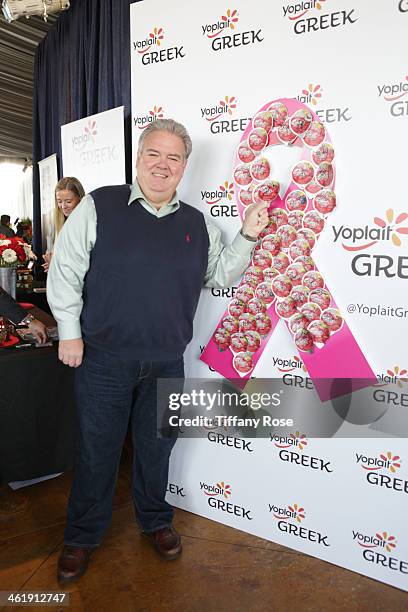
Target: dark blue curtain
{"points": [[81, 67]]}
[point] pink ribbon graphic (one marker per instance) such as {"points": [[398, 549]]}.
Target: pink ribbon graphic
{"points": [[282, 281]]}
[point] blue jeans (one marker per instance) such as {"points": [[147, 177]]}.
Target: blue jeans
{"points": [[109, 392]]}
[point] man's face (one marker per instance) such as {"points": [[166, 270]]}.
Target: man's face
{"points": [[160, 166]]}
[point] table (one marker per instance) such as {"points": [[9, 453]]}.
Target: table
{"points": [[36, 295], [36, 411]]}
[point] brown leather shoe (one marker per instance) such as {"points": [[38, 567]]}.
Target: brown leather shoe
{"points": [[72, 563], [167, 542]]}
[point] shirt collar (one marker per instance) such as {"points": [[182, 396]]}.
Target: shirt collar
{"points": [[137, 194]]}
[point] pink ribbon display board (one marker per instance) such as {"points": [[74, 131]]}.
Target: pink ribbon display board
{"points": [[282, 280]]}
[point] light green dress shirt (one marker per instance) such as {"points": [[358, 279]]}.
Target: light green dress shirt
{"points": [[71, 258]]}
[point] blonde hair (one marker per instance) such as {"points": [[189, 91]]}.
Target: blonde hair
{"points": [[71, 184]]}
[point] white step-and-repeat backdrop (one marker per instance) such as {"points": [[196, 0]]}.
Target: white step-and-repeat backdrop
{"points": [[212, 68]]}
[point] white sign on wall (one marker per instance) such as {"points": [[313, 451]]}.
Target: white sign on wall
{"points": [[48, 180], [93, 149], [212, 69]]}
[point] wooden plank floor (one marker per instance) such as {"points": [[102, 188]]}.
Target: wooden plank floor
{"points": [[221, 569]]}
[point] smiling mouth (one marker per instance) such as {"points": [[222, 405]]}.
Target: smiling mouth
{"points": [[157, 174]]}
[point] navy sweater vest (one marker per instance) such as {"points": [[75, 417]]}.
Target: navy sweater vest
{"points": [[145, 276]]}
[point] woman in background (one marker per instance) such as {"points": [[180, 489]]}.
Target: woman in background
{"points": [[68, 194]]}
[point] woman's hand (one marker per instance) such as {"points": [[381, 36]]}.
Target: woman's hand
{"points": [[47, 260]]}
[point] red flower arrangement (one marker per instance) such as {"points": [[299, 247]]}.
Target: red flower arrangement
{"points": [[14, 252]]}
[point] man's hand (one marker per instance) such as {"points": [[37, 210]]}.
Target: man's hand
{"points": [[70, 352], [256, 219], [38, 330]]}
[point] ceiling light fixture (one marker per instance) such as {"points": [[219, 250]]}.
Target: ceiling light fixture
{"points": [[13, 9]]}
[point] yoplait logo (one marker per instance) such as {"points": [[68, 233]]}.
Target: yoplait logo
{"points": [[297, 10], [153, 115], [394, 93], [298, 13], [219, 489], [389, 230], [151, 51], [91, 130], [225, 106], [385, 231], [220, 200], [294, 511], [88, 136], [296, 439], [224, 191], [298, 442], [217, 494], [154, 38], [229, 20], [219, 116], [289, 521], [387, 544], [288, 365], [222, 33], [380, 540], [386, 461], [311, 94], [375, 467], [394, 376]]}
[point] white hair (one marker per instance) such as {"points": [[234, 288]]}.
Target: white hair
{"points": [[167, 125]]}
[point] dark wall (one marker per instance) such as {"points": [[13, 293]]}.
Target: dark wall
{"points": [[82, 67]]}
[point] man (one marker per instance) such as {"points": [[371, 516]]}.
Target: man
{"points": [[5, 228], [10, 309], [124, 282]]}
